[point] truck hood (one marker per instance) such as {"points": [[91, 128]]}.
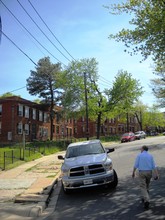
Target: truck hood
{"points": [[85, 160]]}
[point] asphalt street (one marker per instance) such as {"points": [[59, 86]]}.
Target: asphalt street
{"points": [[124, 203]]}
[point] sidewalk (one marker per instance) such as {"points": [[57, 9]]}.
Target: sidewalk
{"points": [[25, 190]]}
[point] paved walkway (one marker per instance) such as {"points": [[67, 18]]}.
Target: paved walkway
{"points": [[25, 190]]}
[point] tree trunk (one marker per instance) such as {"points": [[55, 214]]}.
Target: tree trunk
{"points": [[127, 123], [139, 120], [98, 125]]}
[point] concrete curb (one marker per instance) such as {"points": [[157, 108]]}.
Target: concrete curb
{"points": [[30, 207], [53, 201], [31, 191], [40, 201]]}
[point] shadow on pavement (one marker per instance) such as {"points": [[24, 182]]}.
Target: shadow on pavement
{"points": [[106, 204]]}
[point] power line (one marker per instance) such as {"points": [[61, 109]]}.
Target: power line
{"points": [[50, 30], [105, 80], [18, 89], [104, 85], [30, 33], [18, 48], [42, 30]]}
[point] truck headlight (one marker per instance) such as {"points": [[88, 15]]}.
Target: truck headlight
{"points": [[108, 166], [64, 171]]}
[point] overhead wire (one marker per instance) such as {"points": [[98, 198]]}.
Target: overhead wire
{"points": [[18, 48], [50, 30], [43, 31], [18, 89], [104, 80], [30, 33]]}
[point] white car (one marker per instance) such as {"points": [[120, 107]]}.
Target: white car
{"points": [[87, 164], [140, 134]]}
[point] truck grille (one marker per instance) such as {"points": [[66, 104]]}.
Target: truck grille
{"points": [[87, 170]]}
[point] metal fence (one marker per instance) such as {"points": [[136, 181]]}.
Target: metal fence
{"points": [[11, 156], [22, 153]]}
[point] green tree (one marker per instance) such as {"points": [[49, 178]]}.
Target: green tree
{"points": [[146, 35], [44, 82], [148, 20], [80, 87], [139, 110], [124, 94], [158, 84], [153, 119], [8, 94]]}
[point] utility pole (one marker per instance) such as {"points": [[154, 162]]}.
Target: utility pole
{"points": [[86, 105]]}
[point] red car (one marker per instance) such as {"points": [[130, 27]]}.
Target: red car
{"points": [[130, 136]]}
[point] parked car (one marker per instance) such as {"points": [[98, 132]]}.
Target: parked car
{"points": [[129, 136], [153, 133], [87, 164], [140, 134]]}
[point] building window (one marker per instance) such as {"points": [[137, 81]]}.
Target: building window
{"points": [[75, 130], [27, 129], [40, 131], [26, 112], [96, 128], [43, 132], [45, 117], [20, 128], [111, 130], [57, 129], [20, 110], [34, 113], [0, 109], [40, 116]]}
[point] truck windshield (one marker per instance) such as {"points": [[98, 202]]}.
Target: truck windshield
{"points": [[80, 150]]}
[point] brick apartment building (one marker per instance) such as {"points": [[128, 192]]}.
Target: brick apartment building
{"points": [[110, 127], [19, 116]]}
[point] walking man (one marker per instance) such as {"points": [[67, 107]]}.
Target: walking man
{"points": [[146, 166]]}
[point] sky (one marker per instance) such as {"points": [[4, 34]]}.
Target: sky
{"points": [[82, 27]]}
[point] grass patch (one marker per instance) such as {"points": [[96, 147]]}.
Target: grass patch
{"points": [[51, 176]]}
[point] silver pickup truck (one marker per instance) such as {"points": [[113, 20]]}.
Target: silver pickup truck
{"points": [[87, 164]]}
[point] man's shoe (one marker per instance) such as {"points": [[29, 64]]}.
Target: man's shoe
{"points": [[146, 205]]}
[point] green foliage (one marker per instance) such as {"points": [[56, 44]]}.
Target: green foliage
{"points": [[73, 84], [8, 94], [148, 19], [146, 35], [113, 138], [139, 109], [124, 93], [44, 80], [32, 151], [153, 117], [158, 84]]}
